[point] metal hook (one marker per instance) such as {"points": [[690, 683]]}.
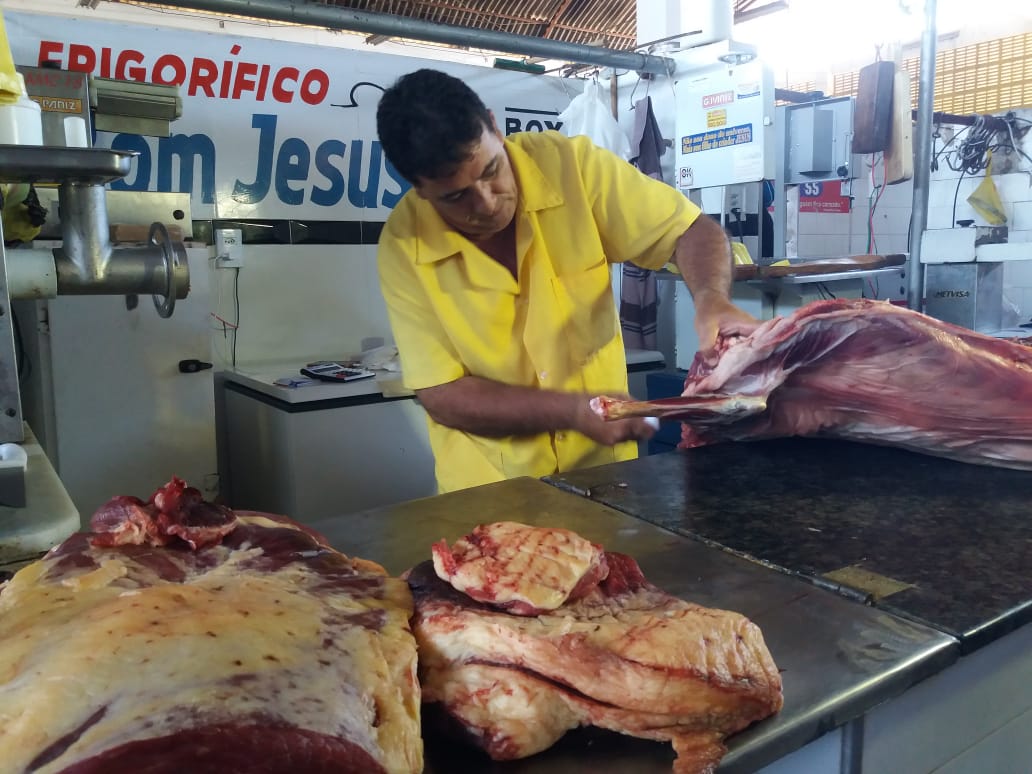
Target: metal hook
{"points": [[634, 90], [562, 82]]}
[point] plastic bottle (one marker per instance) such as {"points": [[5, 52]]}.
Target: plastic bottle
{"points": [[21, 122]]}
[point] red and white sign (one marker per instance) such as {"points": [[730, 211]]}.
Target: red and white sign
{"points": [[823, 197], [718, 99], [269, 129]]}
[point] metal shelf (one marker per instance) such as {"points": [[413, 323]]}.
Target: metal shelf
{"points": [[810, 279], [55, 164]]}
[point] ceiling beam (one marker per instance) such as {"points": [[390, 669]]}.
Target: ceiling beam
{"points": [[316, 14], [556, 15]]}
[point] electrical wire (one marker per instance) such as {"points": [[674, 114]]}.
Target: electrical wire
{"points": [[22, 361], [738, 224], [956, 193], [236, 307], [969, 150], [876, 194], [223, 325]]}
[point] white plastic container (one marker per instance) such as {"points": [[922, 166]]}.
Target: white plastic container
{"points": [[75, 132], [21, 123]]}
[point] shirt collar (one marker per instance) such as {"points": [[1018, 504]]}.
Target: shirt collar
{"points": [[438, 240]]}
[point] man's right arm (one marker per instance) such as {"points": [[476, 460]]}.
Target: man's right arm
{"points": [[495, 410]]}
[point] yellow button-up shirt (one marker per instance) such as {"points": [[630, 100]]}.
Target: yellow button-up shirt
{"points": [[455, 311]]}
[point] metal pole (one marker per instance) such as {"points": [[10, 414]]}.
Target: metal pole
{"points": [[84, 234], [922, 158], [334, 17], [851, 753], [780, 189]]}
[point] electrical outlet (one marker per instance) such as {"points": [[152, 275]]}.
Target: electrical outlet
{"points": [[229, 248]]}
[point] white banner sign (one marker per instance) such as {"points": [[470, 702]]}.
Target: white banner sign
{"points": [[269, 129]]}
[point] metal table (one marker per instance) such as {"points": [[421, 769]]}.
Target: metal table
{"points": [[943, 543], [838, 659]]}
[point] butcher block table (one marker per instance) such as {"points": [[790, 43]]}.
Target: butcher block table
{"points": [[928, 540], [838, 659]]}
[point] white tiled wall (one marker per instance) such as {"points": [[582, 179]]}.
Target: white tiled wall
{"points": [[829, 235]]}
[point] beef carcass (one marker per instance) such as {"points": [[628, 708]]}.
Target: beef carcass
{"points": [[866, 371], [182, 636], [626, 657], [524, 570]]}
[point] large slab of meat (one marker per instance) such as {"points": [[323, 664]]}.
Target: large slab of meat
{"points": [[625, 656], [180, 636], [866, 371]]}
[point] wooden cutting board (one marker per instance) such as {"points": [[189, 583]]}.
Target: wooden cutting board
{"points": [[899, 156], [745, 272]]}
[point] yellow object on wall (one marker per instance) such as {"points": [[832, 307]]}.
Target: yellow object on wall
{"points": [[985, 200]]}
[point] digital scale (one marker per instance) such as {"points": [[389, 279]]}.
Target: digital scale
{"points": [[331, 371]]}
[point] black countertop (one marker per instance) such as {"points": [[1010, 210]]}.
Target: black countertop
{"points": [[940, 542], [838, 659]]}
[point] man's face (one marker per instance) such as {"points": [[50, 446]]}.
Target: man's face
{"points": [[479, 198]]}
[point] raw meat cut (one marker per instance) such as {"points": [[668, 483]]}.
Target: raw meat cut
{"points": [[524, 570], [181, 636], [174, 511], [868, 371], [626, 657]]}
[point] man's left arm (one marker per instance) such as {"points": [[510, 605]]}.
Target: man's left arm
{"points": [[703, 256]]}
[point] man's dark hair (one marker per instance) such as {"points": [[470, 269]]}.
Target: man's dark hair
{"points": [[427, 122]]}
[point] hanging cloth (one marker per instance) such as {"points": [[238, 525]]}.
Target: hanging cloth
{"points": [[638, 304], [589, 114], [647, 144]]}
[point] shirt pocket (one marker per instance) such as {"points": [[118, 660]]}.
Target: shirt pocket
{"points": [[591, 321]]}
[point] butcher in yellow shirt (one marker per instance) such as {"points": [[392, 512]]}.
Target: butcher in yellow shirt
{"points": [[495, 268]]}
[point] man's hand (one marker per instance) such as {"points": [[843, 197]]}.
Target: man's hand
{"points": [[716, 316], [588, 423]]}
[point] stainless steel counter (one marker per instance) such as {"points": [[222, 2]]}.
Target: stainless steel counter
{"points": [[48, 517], [838, 659]]}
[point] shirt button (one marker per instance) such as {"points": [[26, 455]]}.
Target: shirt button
{"points": [[560, 436], [543, 375]]}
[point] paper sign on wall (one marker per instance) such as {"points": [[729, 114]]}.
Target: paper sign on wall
{"points": [[823, 197]]}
